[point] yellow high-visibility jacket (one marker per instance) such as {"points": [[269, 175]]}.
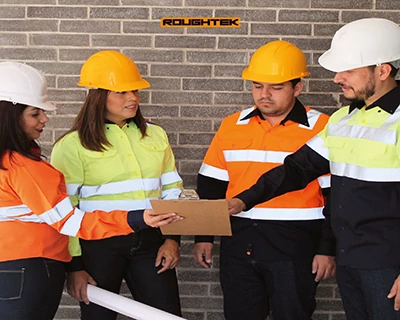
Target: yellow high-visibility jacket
{"points": [[126, 176]]}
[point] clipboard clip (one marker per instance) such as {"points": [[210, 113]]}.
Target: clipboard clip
{"points": [[188, 194]]}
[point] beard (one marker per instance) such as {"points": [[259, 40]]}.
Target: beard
{"points": [[368, 91]]}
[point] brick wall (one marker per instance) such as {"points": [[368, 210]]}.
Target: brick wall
{"points": [[195, 78]]}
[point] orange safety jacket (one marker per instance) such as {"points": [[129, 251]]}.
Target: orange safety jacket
{"points": [[36, 215], [245, 147]]}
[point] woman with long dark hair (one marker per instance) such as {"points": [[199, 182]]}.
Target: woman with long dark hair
{"points": [[112, 158], [36, 214]]}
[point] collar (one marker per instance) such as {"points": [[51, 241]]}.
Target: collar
{"points": [[389, 102], [297, 114], [134, 120]]}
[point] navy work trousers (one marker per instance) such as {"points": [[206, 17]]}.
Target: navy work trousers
{"points": [[252, 289], [132, 258], [364, 293], [30, 289]]}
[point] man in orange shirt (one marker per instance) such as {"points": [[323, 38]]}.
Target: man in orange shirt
{"points": [[280, 249]]}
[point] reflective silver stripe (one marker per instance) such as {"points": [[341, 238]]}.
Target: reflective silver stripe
{"points": [[317, 144], [362, 132], [120, 187], [243, 114], [347, 117], [313, 116], [73, 224], [110, 205], [324, 181], [255, 156], [30, 218], [14, 211], [170, 177], [171, 194], [73, 189], [214, 172], [382, 134], [365, 174], [59, 212], [282, 214]]}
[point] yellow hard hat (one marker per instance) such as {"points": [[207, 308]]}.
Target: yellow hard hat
{"points": [[276, 62], [113, 71]]}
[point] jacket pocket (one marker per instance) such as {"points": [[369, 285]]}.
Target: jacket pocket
{"points": [[11, 284], [101, 166], [236, 144], [155, 145]]}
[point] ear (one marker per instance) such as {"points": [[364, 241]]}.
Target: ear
{"points": [[384, 71], [298, 88]]}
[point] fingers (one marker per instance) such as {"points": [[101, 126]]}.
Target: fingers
{"points": [[320, 274], [395, 293], [202, 254], [77, 285], [164, 222], [198, 257], [167, 262], [83, 293], [159, 258], [158, 220], [235, 206]]}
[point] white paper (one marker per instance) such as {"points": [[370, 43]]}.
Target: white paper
{"points": [[127, 307]]}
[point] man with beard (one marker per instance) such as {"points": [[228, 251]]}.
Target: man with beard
{"points": [[281, 249], [360, 147]]}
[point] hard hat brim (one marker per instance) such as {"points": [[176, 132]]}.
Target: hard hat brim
{"points": [[137, 85], [251, 76], [41, 105]]}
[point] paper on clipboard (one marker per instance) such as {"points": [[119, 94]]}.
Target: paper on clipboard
{"points": [[202, 217]]}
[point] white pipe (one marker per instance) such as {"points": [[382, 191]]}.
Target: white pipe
{"points": [[125, 306]]}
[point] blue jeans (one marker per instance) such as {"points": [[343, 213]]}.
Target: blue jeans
{"points": [[254, 288], [30, 289], [132, 258], [364, 293]]}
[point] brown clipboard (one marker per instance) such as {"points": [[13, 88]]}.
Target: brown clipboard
{"points": [[201, 217]]}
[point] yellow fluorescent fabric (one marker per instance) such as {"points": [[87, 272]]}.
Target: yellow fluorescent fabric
{"points": [[126, 176], [362, 145]]}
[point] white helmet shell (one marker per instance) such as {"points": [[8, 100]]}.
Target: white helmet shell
{"points": [[361, 43], [21, 83]]}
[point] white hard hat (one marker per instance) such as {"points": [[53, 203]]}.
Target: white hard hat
{"points": [[21, 83], [361, 43]]}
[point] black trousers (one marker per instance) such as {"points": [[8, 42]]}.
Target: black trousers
{"points": [[364, 293], [252, 289], [132, 258]]}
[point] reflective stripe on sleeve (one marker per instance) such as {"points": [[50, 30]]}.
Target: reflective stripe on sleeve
{"points": [[317, 144], [171, 194], [59, 212], [73, 224], [214, 172], [324, 181], [170, 177]]}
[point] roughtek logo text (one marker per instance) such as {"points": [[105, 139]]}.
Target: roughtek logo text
{"points": [[182, 22]]}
